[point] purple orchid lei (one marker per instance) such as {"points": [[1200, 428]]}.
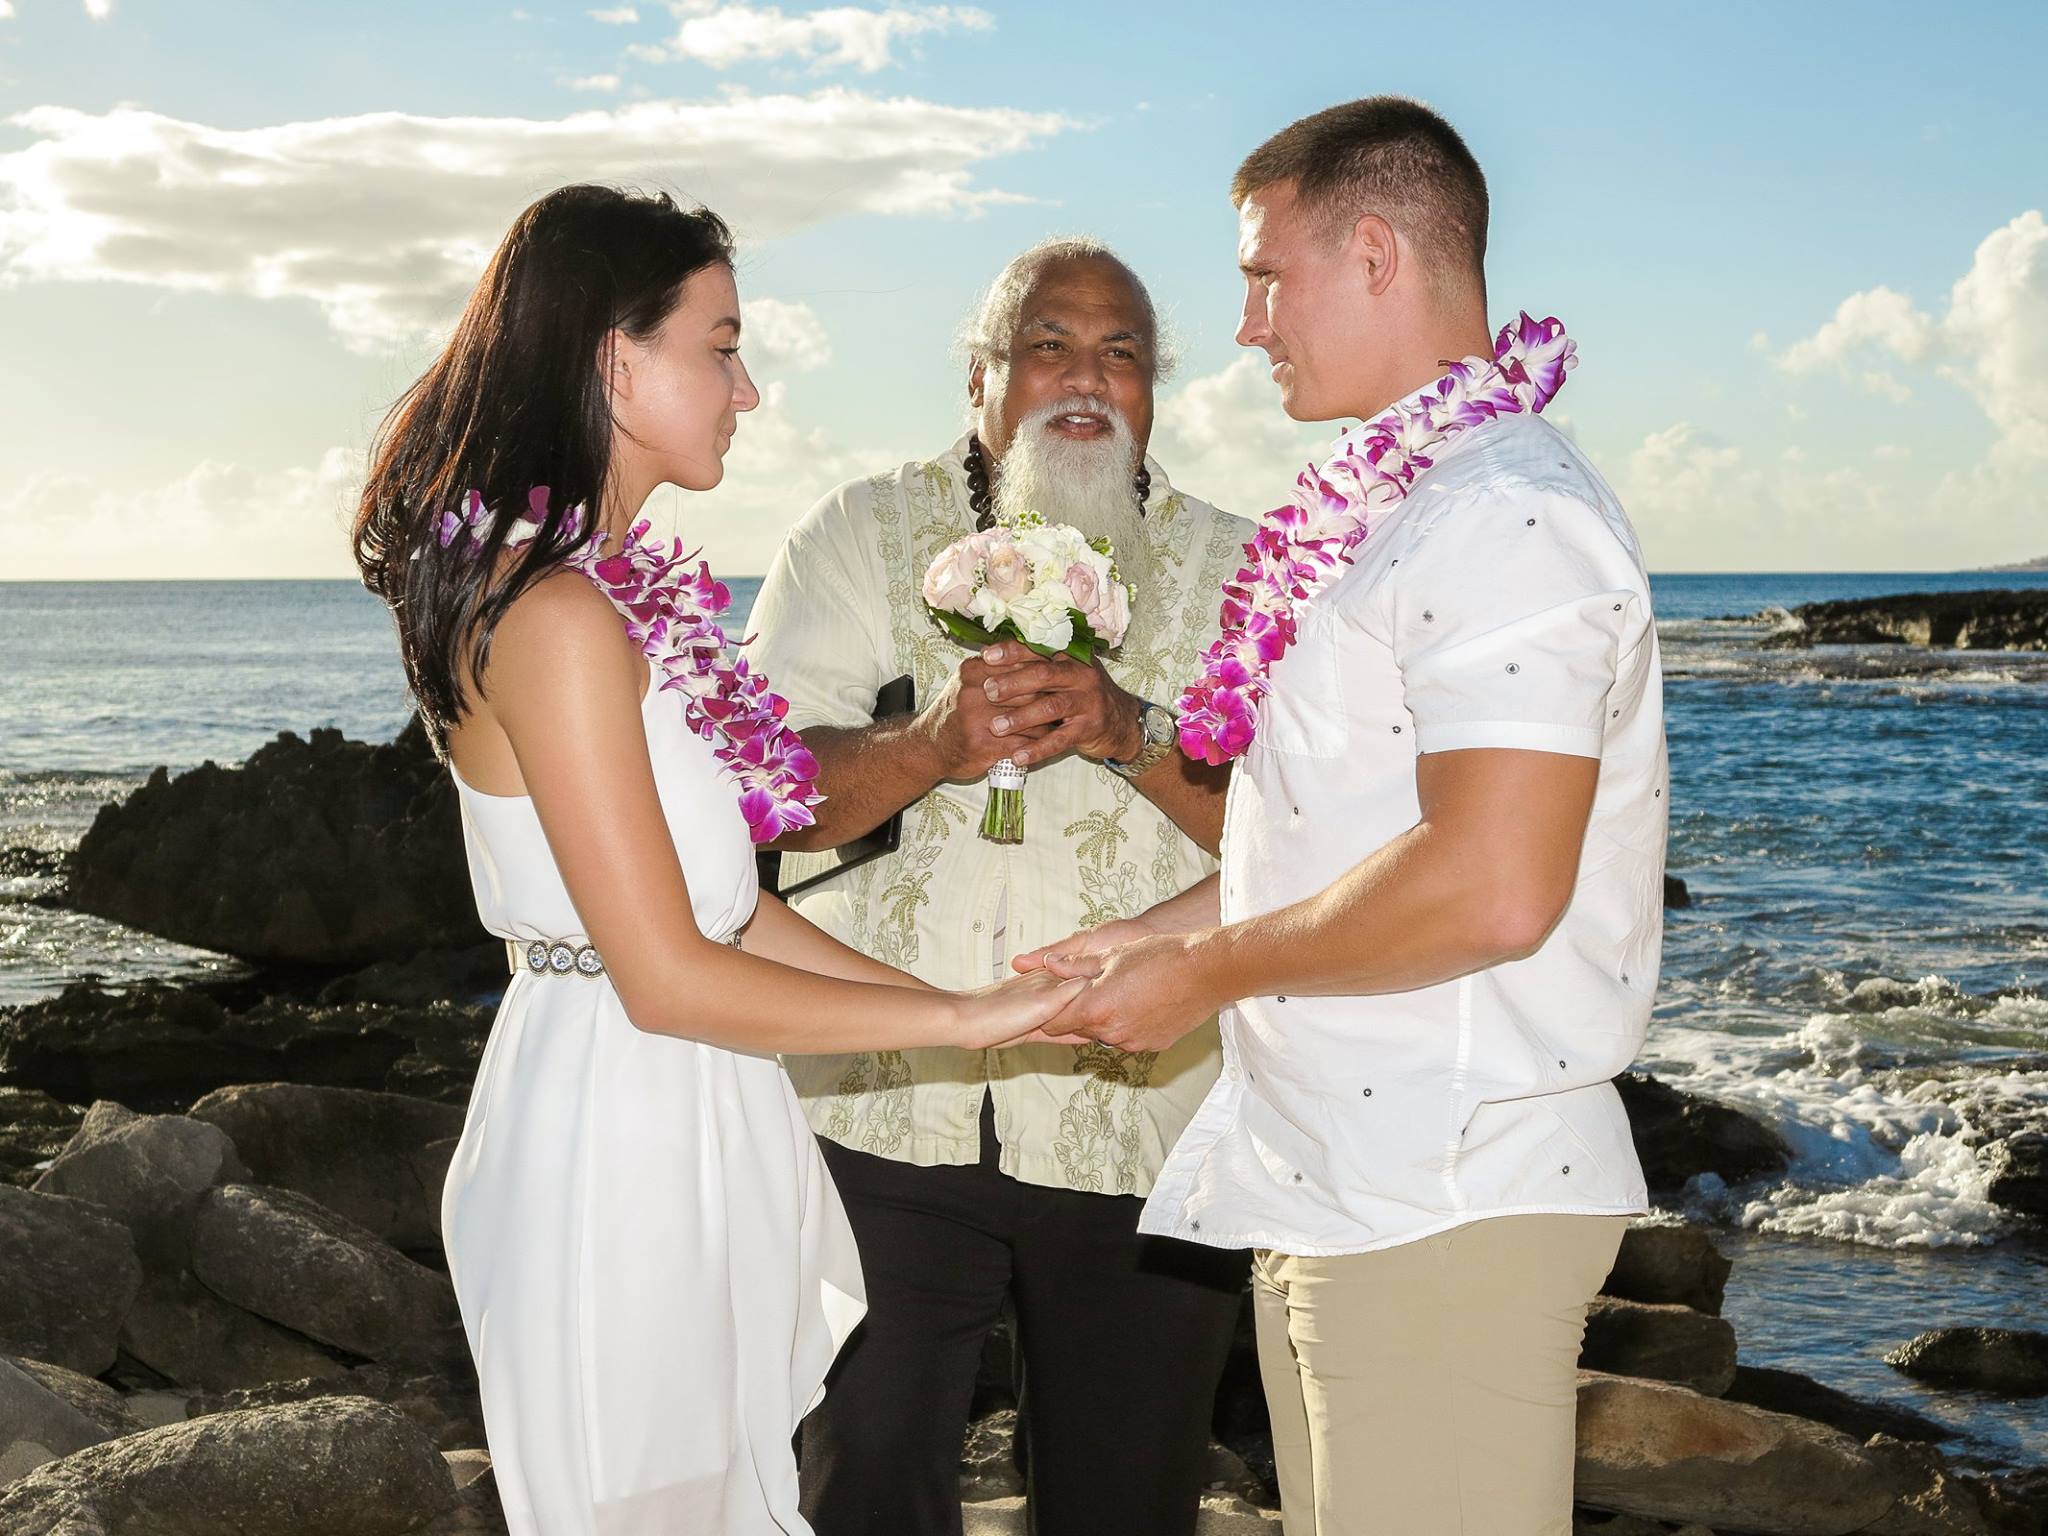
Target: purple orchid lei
{"points": [[1301, 547], [672, 614]]}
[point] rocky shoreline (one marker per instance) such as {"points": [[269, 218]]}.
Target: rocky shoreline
{"points": [[230, 1309], [1995, 620]]}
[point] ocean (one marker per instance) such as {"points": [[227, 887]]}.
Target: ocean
{"points": [[1862, 830]]}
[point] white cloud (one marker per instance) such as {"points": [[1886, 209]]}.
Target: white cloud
{"points": [[782, 337], [1701, 503], [217, 519], [601, 83], [1993, 341], [617, 16], [99, 10], [839, 37], [1224, 438], [384, 220]]}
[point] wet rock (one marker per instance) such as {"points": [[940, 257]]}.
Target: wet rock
{"points": [[71, 1275], [146, 1171], [2010, 1362], [1662, 1262], [339, 1467], [2019, 1173], [33, 1129], [315, 852], [1679, 1135], [1661, 1341], [38, 1425], [188, 1335], [379, 1159], [290, 1259], [2000, 620], [1675, 892], [1805, 1398], [988, 1461], [157, 1047], [1664, 1453]]}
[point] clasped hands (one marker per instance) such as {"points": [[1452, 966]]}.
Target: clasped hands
{"points": [[1008, 701], [1145, 988]]}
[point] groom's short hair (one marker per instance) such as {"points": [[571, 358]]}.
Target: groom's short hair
{"points": [[1385, 155]]}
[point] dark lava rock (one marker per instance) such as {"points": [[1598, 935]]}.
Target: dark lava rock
{"points": [[1660, 1342], [1679, 1134], [1675, 892], [988, 1460], [146, 1171], [320, 852], [2011, 1362], [1805, 1398], [2002, 620], [474, 975], [33, 1129], [290, 1259], [157, 1048], [180, 1331], [337, 1467], [2019, 1173], [445, 1406], [379, 1159], [1669, 1264], [70, 1275]]}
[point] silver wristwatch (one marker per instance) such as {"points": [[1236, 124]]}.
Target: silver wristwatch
{"points": [[1159, 727]]}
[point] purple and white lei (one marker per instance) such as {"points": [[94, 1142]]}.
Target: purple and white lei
{"points": [[672, 614], [1301, 547]]}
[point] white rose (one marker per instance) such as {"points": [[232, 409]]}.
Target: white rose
{"points": [[986, 609], [1041, 615]]}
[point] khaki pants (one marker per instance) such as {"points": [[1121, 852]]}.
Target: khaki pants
{"points": [[1429, 1389]]}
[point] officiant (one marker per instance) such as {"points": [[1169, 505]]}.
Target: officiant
{"points": [[1010, 1176]]}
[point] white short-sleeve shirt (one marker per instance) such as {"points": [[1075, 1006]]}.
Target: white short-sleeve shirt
{"points": [[1501, 604]]}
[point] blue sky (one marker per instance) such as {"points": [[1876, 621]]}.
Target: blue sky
{"points": [[1802, 248]]}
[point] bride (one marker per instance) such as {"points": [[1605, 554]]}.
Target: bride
{"points": [[653, 1268]]}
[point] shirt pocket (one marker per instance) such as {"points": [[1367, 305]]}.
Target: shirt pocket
{"points": [[1304, 714]]}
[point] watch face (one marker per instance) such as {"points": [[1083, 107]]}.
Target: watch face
{"points": [[1158, 725]]}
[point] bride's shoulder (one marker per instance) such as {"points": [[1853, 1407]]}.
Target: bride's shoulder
{"points": [[563, 623]]}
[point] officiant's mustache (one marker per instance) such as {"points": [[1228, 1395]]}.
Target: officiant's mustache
{"points": [[1081, 418]]}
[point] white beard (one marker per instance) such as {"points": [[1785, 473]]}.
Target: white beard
{"points": [[1090, 485]]}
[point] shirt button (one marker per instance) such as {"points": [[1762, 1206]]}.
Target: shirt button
{"points": [[1194, 1226], [1367, 1092], [977, 927], [1514, 666], [1567, 1167], [1281, 998], [1297, 1178]]}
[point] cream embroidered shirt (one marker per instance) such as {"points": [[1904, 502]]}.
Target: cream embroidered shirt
{"points": [[1501, 604], [838, 616]]}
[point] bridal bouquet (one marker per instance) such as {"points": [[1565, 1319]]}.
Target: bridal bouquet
{"points": [[1038, 583]]}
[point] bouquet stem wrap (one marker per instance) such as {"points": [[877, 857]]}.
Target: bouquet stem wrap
{"points": [[1002, 821]]}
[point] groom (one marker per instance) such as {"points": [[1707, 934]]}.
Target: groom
{"points": [[1437, 923]]}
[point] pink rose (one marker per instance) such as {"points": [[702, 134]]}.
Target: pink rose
{"points": [[1086, 586], [950, 582], [1110, 615], [1007, 570]]}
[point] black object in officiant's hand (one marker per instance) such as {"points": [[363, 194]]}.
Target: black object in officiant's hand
{"points": [[896, 698]]}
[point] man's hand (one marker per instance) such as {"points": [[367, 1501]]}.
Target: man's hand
{"points": [[1068, 956], [1049, 707], [1143, 995], [959, 722]]}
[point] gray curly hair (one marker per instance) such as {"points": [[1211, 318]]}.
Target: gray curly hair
{"points": [[985, 335]]}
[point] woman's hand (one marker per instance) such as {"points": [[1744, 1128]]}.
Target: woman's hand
{"points": [[1014, 1010]]}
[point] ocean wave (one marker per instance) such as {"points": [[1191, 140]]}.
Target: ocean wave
{"points": [[1888, 1105]]}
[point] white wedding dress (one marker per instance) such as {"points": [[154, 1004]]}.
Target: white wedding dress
{"points": [[654, 1268]]}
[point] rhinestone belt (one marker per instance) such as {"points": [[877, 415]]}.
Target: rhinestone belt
{"points": [[558, 957]]}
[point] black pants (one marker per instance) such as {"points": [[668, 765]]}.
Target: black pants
{"points": [[1121, 1340]]}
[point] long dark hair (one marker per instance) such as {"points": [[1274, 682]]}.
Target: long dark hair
{"points": [[516, 400]]}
